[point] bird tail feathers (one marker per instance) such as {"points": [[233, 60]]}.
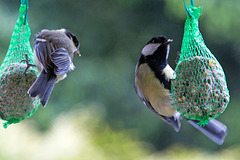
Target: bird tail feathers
{"points": [[43, 86], [214, 130], [174, 121]]}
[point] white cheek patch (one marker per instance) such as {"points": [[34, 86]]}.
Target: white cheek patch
{"points": [[150, 49], [168, 72]]}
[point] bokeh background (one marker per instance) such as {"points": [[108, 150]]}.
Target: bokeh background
{"points": [[95, 113]]}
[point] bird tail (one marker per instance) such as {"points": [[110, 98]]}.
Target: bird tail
{"points": [[174, 121], [214, 130], [43, 86]]}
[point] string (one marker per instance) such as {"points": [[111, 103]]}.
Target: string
{"points": [[25, 2], [186, 9], [191, 4]]}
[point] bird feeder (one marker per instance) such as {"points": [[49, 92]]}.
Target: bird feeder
{"points": [[199, 90], [15, 104]]}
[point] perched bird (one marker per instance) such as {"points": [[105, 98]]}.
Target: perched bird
{"points": [[152, 83], [53, 57]]}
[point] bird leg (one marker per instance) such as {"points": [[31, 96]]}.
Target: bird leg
{"points": [[28, 64], [178, 57]]}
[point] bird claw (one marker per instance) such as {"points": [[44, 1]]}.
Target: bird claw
{"points": [[178, 57], [28, 64]]}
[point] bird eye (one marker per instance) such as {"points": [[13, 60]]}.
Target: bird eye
{"points": [[73, 37]]}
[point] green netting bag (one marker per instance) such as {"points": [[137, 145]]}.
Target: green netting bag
{"points": [[15, 104], [199, 91]]}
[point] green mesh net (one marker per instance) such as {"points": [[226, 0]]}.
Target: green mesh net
{"points": [[15, 104], [199, 91]]}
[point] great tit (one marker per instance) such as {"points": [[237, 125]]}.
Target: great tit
{"points": [[53, 57], [152, 83]]}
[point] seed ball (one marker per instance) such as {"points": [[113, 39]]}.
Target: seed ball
{"points": [[207, 95], [15, 104]]}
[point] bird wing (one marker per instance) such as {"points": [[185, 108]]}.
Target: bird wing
{"points": [[173, 121], [51, 57], [143, 98], [43, 49], [61, 59], [140, 94]]}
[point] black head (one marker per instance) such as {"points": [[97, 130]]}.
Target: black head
{"points": [[73, 37], [160, 40], [158, 46]]}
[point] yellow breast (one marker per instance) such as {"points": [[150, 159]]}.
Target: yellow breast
{"points": [[158, 96]]}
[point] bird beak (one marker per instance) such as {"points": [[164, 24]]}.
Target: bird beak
{"points": [[77, 52], [168, 41]]}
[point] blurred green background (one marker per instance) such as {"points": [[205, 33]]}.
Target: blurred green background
{"points": [[94, 113]]}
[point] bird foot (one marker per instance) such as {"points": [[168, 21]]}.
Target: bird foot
{"points": [[28, 64], [178, 57]]}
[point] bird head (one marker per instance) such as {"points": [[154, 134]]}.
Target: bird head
{"points": [[157, 46], [74, 39]]}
